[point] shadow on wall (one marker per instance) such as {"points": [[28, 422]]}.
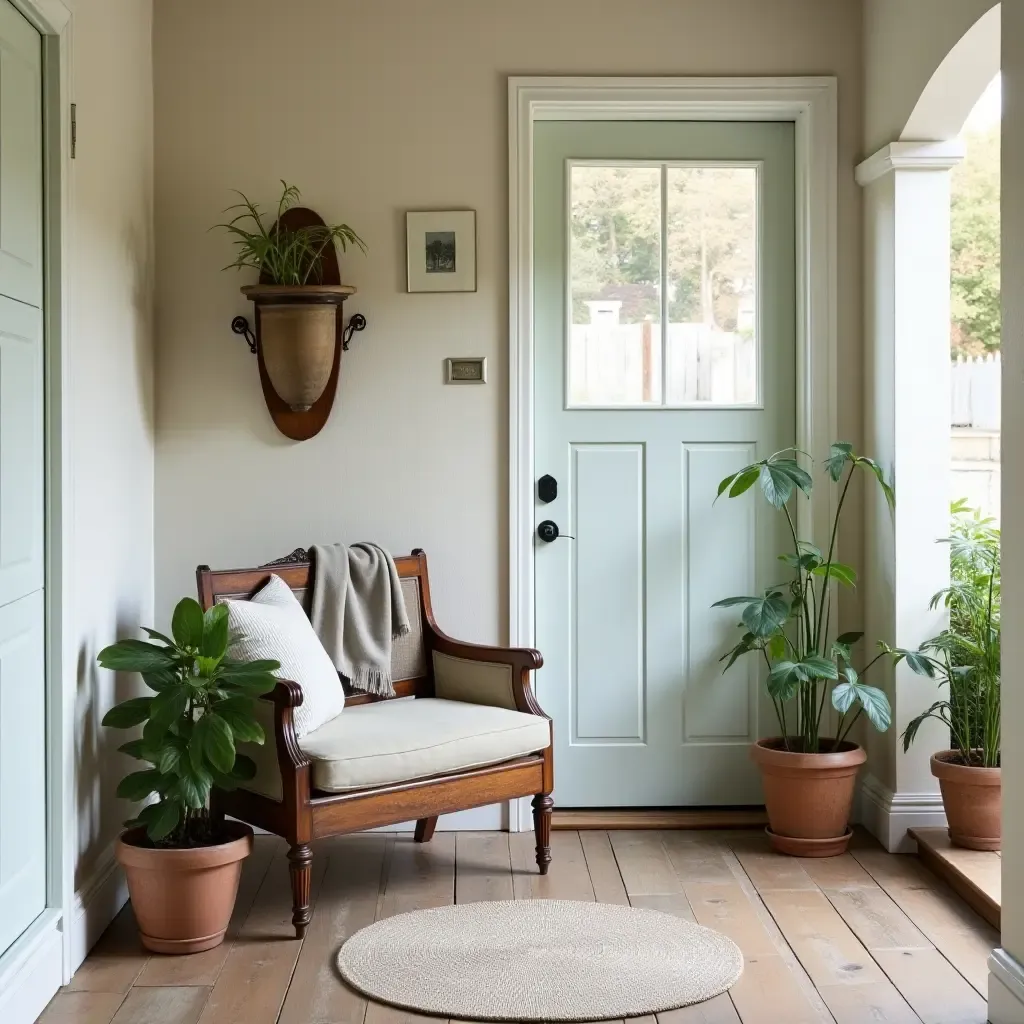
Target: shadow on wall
{"points": [[98, 764]]}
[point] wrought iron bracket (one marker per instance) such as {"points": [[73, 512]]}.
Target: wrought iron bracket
{"points": [[240, 325], [356, 322]]}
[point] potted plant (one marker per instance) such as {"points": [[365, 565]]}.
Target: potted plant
{"points": [[965, 659], [182, 863], [296, 311], [808, 778]]}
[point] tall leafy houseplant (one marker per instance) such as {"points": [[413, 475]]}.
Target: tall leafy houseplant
{"points": [[183, 863], [789, 625], [965, 659], [202, 707], [297, 297]]}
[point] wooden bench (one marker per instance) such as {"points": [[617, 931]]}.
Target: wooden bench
{"points": [[284, 798]]}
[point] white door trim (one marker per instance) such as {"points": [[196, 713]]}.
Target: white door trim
{"points": [[41, 959], [808, 102]]}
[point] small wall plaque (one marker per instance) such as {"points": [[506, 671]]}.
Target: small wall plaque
{"points": [[466, 370]]}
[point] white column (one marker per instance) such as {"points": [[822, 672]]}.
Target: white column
{"points": [[907, 429], [1006, 977]]}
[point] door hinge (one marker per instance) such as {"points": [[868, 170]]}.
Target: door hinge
{"points": [[74, 129]]}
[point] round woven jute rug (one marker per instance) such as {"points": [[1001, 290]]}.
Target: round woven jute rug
{"points": [[539, 960]]}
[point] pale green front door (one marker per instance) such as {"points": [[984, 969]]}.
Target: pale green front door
{"points": [[638, 225]]}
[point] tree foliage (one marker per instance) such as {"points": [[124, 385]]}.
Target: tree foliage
{"points": [[616, 241], [975, 247]]}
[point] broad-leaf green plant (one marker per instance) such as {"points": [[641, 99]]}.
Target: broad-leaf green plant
{"points": [[289, 256], [965, 657], [789, 624], [201, 708]]}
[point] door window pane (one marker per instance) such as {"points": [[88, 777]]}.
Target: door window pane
{"points": [[615, 274], [711, 346]]}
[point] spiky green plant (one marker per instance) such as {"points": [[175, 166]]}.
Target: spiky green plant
{"points": [[965, 658], [289, 256]]}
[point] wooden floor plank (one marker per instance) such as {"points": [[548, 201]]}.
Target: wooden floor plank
{"points": [[878, 1003], [644, 864], [420, 876], [82, 1008], [768, 993], [974, 875], [830, 952], [115, 961], [346, 903], [177, 1004], [719, 1010], [937, 993], [875, 919], [697, 857], [567, 877], [603, 868], [946, 921], [483, 868], [202, 969], [252, 984]]}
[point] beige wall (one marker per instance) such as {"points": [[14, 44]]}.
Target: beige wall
{"points": [[1012, 208], [904, 42], [109, 348], [374, 109]]}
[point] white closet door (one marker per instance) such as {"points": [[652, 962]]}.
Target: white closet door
{"points": [[22, 641]]}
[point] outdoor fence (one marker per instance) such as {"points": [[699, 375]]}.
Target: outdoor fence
{"points": [[974, 391]]}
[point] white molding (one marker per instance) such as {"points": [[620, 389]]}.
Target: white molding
{"points": [[94, 905], [910, 156], [1005, 989], [30, 971], [808, 102], [888, 815]]}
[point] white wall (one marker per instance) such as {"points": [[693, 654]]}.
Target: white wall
{"points": [[110, 409], [374, 109]]}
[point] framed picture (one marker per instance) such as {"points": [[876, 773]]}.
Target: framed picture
{"points": [[441, 251]]}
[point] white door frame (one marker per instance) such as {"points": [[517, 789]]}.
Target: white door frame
{"points": [[40, 960], [808, 102]]}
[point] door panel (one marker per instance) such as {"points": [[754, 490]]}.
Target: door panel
{"points": [[21, 449], [22, 775], [608, 497], [22, 616], [664, 360], [21, 158]]}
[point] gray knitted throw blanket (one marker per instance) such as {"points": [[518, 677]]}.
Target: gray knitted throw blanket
{"points": [[357, 610]]}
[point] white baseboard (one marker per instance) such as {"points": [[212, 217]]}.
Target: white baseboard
{"points": [[96, 904], [477, 819], [31, 970], [1005, 989], [888, 815]]}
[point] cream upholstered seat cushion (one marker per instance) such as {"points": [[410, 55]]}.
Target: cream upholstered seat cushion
{"points": [[399, 740]]}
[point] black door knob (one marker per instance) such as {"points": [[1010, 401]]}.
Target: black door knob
{"points": [[547, 488], [548, 531]]}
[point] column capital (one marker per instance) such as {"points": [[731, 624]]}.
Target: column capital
{"points": [[910, 156]]}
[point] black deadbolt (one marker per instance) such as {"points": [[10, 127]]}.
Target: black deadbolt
{"points": [[548, 531], [547, 488]]}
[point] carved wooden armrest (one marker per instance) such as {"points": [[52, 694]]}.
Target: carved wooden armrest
{"points": [[286, 696], [483, 674]]}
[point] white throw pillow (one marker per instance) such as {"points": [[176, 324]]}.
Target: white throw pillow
{"points": [[272, 624]]}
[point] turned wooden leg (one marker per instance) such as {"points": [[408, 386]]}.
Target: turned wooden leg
{"points": [[425, 829], [542, 804], [300, 866]]}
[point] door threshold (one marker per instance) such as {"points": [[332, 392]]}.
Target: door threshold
{"points": [[655, 817]]}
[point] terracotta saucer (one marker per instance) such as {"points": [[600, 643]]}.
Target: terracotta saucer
{"points": [[793, 847]]}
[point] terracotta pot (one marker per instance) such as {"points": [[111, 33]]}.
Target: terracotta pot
{"points": [[297, 332], [183, 899], [808, 796], [973, 798]]}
